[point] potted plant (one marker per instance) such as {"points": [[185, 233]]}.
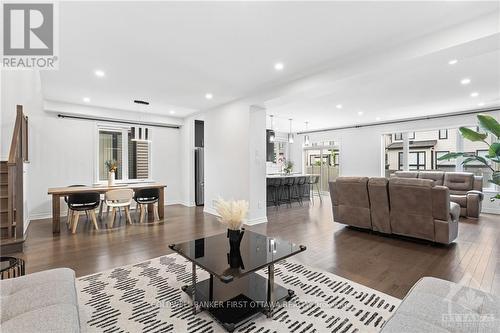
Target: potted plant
{"points": [[112, 166], [288, 167], [492, 159], [232, 214]]}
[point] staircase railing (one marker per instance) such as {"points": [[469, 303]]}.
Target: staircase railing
{"points": [[18, 154]]}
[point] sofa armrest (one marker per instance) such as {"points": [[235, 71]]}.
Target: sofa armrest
{"points": [[441, 203], [333, 193], [454, 211], [475, 192], [474, 203], [478, 183]]}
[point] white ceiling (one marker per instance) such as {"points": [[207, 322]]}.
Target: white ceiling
{"points": [[172, 53], [419, 87]]}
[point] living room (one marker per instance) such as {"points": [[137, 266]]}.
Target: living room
{"points": [[250, 166]]}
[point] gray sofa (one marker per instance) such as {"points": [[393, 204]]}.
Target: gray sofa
{"points": [[465, 188], [403, 206], [435, 305], [40, 302]]}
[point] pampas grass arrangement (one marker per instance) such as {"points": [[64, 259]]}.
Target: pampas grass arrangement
{"points": [[232, 213]]}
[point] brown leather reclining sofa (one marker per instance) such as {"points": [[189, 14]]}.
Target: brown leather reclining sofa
{"points": [[410, 207], [465, 188]]}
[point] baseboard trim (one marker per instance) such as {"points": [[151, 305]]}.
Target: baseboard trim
{"points": [[258, 220], [48, 215]]}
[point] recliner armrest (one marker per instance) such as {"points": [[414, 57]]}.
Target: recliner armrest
{"points": [[454, 211], [475, 192]]}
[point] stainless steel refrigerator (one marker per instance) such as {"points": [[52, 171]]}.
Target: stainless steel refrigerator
{"points": [[199, 176]]}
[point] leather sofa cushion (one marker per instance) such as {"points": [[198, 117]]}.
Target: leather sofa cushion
{"points": [[459, 199], [406, 174], [353, 191], [459, 181], [436, 176]]}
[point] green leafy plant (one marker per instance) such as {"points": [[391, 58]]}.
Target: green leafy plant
{"points": [[111, 165], [288, 167], [492, 159]]}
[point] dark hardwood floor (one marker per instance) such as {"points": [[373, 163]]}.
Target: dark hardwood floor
{"points": [[389, 264]]}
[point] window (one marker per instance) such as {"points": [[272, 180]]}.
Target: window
{"points": [[443, 134], [398, 136], [425, 152], [482, 152], [416, 160], [133, 158], [411, 135]]}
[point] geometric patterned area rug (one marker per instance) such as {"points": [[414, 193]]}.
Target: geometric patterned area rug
{"points": [[147, 297]]}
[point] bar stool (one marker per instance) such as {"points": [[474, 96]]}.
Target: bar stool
{"points": [[83, 202], [314, 180], [273, 186], [121, 198], [298, 189], [286, 190], [145, 197]]}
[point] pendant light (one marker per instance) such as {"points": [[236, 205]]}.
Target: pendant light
{"points": [[272, 135], [306, 137], [290, 135], [140, 133]]}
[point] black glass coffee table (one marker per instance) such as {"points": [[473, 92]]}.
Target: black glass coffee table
{"points": [[234, 292]]}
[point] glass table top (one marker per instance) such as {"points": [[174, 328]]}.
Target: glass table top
{"points": [[256, 251]]}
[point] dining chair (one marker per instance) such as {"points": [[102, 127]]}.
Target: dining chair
{"points": [[116, 199], [66, 200], [83, 202], [145, 197]]}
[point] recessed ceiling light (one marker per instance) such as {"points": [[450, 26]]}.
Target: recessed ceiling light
{"points": [[279, 66], [172, 111], [377, 119], [452, 62], [209, 96], [86, 99], [474, 94], [360, 113], [465, 81], [339, 106], [99, 73], [480, 104]]}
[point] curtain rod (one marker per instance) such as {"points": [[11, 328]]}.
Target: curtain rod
{"points": [[444, 115], [110, 120]]}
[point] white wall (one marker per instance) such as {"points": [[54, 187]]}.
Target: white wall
{"points": [[235, 157], [257, 159]]}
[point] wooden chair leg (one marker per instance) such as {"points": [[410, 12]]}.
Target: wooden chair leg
{"points": [[155, 209], [113, 216], [94, 219], [76, 217], [100, 209], [127, 214], [141, 218], [69, 220]]}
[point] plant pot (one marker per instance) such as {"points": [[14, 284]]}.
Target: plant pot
{"points": [[111, 178], [235, 237]]}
